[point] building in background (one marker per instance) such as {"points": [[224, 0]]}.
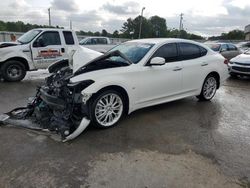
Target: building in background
{"points": [[247, 32]]}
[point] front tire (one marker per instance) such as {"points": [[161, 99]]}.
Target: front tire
{"points": [[13, 71], [107, 109], [209, 88]]}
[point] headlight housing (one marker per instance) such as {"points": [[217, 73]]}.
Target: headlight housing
{"points": [[79, 86]]}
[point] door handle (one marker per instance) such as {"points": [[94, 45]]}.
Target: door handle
{"points": [[204, 64], [177, 69], [62, 50]]}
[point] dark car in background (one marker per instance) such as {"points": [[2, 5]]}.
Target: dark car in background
{"points": [[244, 45], [227, 50]]}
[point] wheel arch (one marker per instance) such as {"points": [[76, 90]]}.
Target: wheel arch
{"points": [[119, 89], [217, 76], [20, 59]]}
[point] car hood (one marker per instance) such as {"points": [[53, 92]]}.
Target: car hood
{"points": [[83, 56], [8, 44], [242, 58]]}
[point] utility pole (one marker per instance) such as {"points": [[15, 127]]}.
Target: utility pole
{"points": [[141, 21], [70, 24], [181, 21], [181, 24], [49, 17]]}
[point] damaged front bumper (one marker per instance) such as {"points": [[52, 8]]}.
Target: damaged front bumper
{"points": [[58, 107]]}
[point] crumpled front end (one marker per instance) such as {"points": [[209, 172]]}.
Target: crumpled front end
{"points": [[57, 107]]}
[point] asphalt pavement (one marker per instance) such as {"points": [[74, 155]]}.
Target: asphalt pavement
{"points": [[184, 143]]}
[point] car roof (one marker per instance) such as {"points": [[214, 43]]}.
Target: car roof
{"points": [[52, 29], [220, 43], [162, 40], [96, 37]]}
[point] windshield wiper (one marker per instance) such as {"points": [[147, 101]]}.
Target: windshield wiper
{"points": [[19, 41]]}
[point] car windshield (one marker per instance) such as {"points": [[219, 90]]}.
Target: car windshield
{"points": [[83, 41], [214, 47], [29, 36], [133, 51]]}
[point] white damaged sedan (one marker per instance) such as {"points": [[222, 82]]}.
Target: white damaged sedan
{"points": [[103, 87]]}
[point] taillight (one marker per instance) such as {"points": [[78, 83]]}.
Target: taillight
{"points": [[226, 61]]}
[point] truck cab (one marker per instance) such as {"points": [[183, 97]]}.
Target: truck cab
{"points": [[36, 49]]}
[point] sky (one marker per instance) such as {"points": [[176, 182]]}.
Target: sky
{"points": [[203, 17]]}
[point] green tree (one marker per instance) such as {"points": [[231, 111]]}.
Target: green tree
{"points": [[128, 28], [158, 26], [116, 34], [104, 33]]}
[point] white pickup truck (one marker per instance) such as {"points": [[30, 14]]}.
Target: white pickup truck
{"points": [[100, 44], [36, 49]]}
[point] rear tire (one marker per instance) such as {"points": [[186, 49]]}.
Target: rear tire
{"points": [[13, 71], [107, 108], [209, 88]]}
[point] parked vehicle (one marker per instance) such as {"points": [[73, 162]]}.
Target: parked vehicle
{"points": [[100, 44], [36, 49], [227, 50], [240, 65], [243, 46], [133, 75]]}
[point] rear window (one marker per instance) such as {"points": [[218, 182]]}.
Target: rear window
{"points": [[68, 37], [231, 47], [189, 51]]}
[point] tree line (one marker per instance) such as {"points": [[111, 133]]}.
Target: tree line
{"points": [[153, 27], [231, 35], [19, 26]]}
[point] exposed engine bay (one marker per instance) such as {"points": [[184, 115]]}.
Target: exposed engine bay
{"points": [[58, 105]]}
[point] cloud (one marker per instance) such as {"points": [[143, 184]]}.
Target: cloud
{"points": [[219, 15], [65, 5], [127, 8], [112, 24], [19, 4]]}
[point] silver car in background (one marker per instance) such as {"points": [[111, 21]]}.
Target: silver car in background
{"points": [[227, 50]]}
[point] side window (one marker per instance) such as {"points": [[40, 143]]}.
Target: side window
{"points": [[69, 40], [93, 41], [102, 41], [203, 51], [47, 39], [223, 47], [231, 47], [89, 41], [168, 52], [189, 51]]}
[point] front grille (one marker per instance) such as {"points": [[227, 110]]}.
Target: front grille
{"points": [[242, 69], [244, 64]]}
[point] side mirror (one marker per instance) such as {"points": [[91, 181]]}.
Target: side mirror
{"points": [[157, 61], [38, 43]]}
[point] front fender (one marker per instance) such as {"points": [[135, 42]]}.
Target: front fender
{"points": [[6, 54], [98, 85]]}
